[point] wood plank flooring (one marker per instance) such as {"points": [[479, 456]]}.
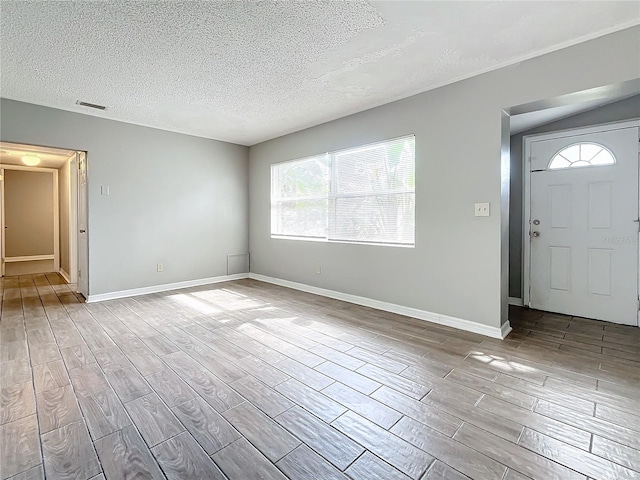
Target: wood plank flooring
{"points": [[246, 380]]}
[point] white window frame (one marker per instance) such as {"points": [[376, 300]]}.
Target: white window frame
{"points": [[333, 195], [274, 201], [595, 165]]}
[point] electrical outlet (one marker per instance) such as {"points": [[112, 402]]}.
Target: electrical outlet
{"points": [[482, 209], [318, 269], [160, 267]]}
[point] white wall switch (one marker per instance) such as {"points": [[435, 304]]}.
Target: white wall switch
{"points": [[318, 269], [160, 267], [104, 189], [482, 210]]}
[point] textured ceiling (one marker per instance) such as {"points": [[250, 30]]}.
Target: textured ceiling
{"points": [[245, 72]]}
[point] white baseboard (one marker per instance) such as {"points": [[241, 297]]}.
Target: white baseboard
{"points": [[516, 302], [505, 329], [101, 297], [65, 275], [474, 327]]}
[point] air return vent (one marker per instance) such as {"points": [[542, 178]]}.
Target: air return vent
{"points": [[90, 105]]}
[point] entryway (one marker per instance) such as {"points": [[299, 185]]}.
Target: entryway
{"points": [[43, 195], [581, 220]]}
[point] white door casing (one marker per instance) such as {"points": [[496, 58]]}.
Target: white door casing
{"points": [[6, 230], [2, 225], [583, 221], [73, 219], [82, 225]]}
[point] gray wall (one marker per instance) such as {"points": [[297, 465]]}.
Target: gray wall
{"points": [[64, 199], [458, 266], [622, 110], [175, 199], [29, 213]]}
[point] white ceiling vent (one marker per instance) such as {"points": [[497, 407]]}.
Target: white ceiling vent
{"points": [[90, 105]]}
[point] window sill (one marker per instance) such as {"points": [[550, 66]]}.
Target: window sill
{"points": [[324, 240]]}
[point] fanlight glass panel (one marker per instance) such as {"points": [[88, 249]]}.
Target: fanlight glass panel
{"points": [[582, 155]]}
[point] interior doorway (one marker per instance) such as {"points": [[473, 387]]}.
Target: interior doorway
{"points": [[581, 222], [43, 199]]}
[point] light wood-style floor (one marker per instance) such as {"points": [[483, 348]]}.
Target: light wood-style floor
{"points": [[245, 380]]}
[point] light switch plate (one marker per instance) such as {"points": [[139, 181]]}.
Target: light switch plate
{"points": [[482, 209], [104, 189]]}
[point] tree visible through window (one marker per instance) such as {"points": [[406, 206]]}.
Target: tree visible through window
{"points": [[299, 197], [363, 195]]}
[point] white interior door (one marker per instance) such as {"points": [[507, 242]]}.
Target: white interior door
{"points": [[73, 219], [83, 244], [584, 225], [2, 225]]}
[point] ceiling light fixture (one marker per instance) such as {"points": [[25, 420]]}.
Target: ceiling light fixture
{"points": [[31, 160]]}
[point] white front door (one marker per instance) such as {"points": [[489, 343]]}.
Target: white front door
{"points": [[83, 244], [584, 225]]}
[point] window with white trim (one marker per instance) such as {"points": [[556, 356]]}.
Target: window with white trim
{"points": [[358, 195], [582, 155]]}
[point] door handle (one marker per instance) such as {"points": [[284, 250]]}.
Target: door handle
{"points": [[82, 230], [535, 234]]}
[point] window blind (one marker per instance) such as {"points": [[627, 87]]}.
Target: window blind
{"points": [[299, 197], [362, 195]]}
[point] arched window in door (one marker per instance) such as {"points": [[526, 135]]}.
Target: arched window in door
{"points": [[582, 155]]}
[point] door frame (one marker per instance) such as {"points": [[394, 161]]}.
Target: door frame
{"points": [[81, 158], [72, 275], [526, 190], [56, 217], [73, 219]]}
